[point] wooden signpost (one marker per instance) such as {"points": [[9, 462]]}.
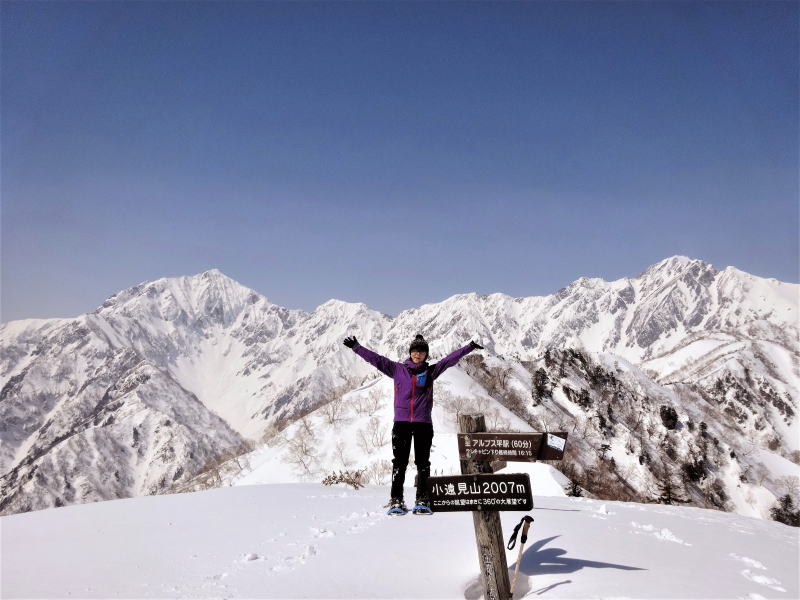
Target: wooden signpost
{"points": [[484, 494]]}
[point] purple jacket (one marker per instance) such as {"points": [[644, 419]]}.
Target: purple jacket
{"points": [[413, 384]]}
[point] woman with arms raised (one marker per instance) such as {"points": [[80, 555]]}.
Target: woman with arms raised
{"points": [[413, 403]]}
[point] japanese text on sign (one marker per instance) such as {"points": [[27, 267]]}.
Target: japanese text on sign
{"points": [[525, 447], [476, 492]]}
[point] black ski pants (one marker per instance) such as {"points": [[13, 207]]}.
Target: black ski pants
{"points": [[402, 434]]}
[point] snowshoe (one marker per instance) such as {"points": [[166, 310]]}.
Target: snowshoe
{"points": [[422, 508], [396, 508]]}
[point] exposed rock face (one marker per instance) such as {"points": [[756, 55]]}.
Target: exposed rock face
{"points": [[165, 375]]}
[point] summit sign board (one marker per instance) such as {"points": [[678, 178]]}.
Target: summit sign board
{"points": [[480, 492], [514, 447]]}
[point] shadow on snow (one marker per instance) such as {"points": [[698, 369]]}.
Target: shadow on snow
{"points": [[538, 560]]}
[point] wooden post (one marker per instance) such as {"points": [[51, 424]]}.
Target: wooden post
{"points": [[488, 529]]}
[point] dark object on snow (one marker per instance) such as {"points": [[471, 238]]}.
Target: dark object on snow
{"points": [[476, 346], [350, 341], [668, 416]]}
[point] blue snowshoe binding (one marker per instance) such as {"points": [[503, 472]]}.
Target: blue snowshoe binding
{"points": [[396, 508], [422, 508]]}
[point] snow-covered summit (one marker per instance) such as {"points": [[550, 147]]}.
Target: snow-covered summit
{"points": [[337, 543], [207, 294], [675, 266]]}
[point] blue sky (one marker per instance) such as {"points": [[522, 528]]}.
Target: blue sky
{"points": [[391, 153]]}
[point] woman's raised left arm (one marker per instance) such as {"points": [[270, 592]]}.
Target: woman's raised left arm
{"points": [[452, 358]]}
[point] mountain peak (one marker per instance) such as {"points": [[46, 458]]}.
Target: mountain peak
{"points": [[335, 304], [675, 265], [210, 292], [468, 296], [214, 275]]}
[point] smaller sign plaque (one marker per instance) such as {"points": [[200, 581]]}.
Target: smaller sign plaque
{"points": [[511, 491], [512, 447], [555, 442]]}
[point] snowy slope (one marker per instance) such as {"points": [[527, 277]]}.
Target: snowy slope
{"points": [[309, 541]]}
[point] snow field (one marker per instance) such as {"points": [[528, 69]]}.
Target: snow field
{"points": [[310, 541]]}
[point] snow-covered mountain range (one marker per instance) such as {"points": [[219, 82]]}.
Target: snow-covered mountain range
{"points": [[140, 395]]}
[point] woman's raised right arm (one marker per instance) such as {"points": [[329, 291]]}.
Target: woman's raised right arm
{"points": [[383, 364]]}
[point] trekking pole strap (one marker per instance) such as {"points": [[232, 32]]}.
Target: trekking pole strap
{"points": [[527, 520]]}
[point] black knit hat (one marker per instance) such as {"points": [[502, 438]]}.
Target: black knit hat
{"points": [[419, 344]]}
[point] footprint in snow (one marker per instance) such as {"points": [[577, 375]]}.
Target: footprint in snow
{"points": [[664, 534], [771, 583], [748, 561], [359, 516], [321, 532], [250, 557], [215, 581], [308, 552], [292, 562], [759, 578], [358, 528], [601, 512], [365, 521]]}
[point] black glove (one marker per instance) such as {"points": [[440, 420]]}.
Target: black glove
{"points": [[475, 346], [350, 341]]}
